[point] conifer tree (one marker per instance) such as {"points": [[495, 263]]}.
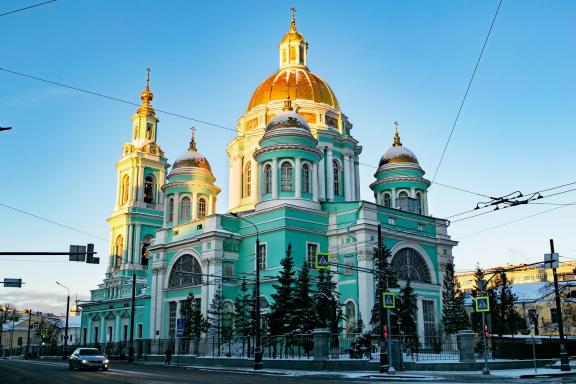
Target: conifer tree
{"points": [[385, 280], [219, 319], [327, 302], [360, 345], [282, 307], [505, 318], [243, 316], [303, 314], [195, 324], [454, 316], [476, 317], [406, 312]]}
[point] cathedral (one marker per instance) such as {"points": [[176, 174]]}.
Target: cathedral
{"points": [[293, 180]]}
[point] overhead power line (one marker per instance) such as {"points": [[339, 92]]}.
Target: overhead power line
{"points": [[467, 90], [25, 8], [53, 222]]}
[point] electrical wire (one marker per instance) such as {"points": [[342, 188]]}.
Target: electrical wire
{"points": [[25, 8], [467, 90]]}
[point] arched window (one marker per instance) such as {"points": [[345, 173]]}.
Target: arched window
{"points": [[410, 265], [336, 181], [248, 179], [350, 316], [149, 190], [201, 208], [170, 209], [185, 208], [267, 178], [145, 244], [305, 178], [118, 250], [403, 195], [186, 272], [286, 177], [387, 200], [419, 202], [125, 189]]}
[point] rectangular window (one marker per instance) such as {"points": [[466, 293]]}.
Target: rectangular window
{"points": [[95, 336], [553, 315], [172, 319], [84, 335], [228, 269], [110, 334], [428, 314], [349, 264], [140, 329], [125, 332], [262, 257], [311, 251]]}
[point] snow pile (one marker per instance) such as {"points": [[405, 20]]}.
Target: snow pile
{"points": [[395, 152], [190, 155], [289, 117]]}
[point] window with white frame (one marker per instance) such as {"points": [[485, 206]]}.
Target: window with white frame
{"points": [[348, 265], [185, 211], [228, 269], [386, 201], [170, 209], [286, 177], [248, 179], [428, 314], [305, 178], [311, 251], [263, 257], [201, 208], [267, 179], [336, 177]]}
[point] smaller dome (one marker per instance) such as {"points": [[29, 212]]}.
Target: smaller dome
{"points": [[397, 153], [192, 158], [286, 124]]}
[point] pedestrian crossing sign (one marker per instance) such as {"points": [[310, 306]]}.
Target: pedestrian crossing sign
{"points": [[322, 260], [388, 300], [482, 304]]}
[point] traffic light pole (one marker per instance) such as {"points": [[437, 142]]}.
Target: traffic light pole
{"points": [[29, 327]]}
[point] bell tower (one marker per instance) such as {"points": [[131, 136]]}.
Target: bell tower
{"points": [[293, 48], [138, 211]]}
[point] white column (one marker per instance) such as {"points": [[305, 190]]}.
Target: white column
{"points": [[425, 203], [136, 247], [365, 290], [194, 205], [166, 218], [315, 181], [321, 180], [346, 171], [118, 189], [140, 191], [330, 175], [259, 181], [413, 192], [209, 206], [298, 174], [274, 178], [357, 178], [129, 243], [354, 196], [132, 185], [176, 209], [393, 202]]}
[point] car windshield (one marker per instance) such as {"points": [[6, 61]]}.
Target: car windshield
{"points": [[89, 352]]}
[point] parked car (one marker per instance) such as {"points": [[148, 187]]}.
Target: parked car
{"points": [[90, 358]]}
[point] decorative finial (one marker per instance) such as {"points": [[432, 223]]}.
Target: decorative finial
{"points": [[293, 22], [193, 141], [146, 95], [288, 104], [397, 142], [148, 77]]}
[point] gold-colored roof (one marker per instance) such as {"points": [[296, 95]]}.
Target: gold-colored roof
{"points": [[298, 83], [192, 158]]}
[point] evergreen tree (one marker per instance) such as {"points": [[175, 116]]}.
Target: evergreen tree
{"points": [[361, 344], [385, 280], [406, 312], [219, 319], [327, 302], [195, 324], [303, 311], [505, 318], [282, 307], [476, 317], [243, 312], [454, 316]]}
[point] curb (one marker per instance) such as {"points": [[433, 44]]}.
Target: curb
{"points": [[536, 375]]}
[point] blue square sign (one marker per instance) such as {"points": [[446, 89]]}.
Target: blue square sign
{"points": [[322, 260]]}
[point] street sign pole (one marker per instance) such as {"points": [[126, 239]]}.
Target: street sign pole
{"points": [[485, 370], [564, 362], [391, 369]]}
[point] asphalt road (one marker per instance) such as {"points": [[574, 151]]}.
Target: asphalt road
{"points": [[23, 371]]}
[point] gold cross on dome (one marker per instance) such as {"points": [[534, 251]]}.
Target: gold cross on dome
{"points": [[396, 125], [148, 75], [193, 129], [293, 10]]}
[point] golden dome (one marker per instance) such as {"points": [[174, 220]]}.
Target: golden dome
{"points": [[192, 158], [298, 83]]}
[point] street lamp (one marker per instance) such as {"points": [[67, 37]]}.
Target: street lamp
{"points": [[65, 349], [131, 347], [258, 352]]}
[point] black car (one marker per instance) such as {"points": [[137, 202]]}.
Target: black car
{"points": [[88, 358]]}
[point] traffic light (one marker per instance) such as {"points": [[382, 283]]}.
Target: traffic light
{"points": [[90, 259]]}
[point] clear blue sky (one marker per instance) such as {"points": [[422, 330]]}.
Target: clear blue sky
{"points": [[408, 61]]}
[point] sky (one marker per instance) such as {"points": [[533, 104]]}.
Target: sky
{"points": [[408, 61]]}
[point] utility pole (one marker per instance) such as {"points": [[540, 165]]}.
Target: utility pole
{"points": [[502, 304], [384, 359], [564, 362], [29, 327]]}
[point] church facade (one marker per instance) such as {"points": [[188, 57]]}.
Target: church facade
{"points": [[293, 180]]}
